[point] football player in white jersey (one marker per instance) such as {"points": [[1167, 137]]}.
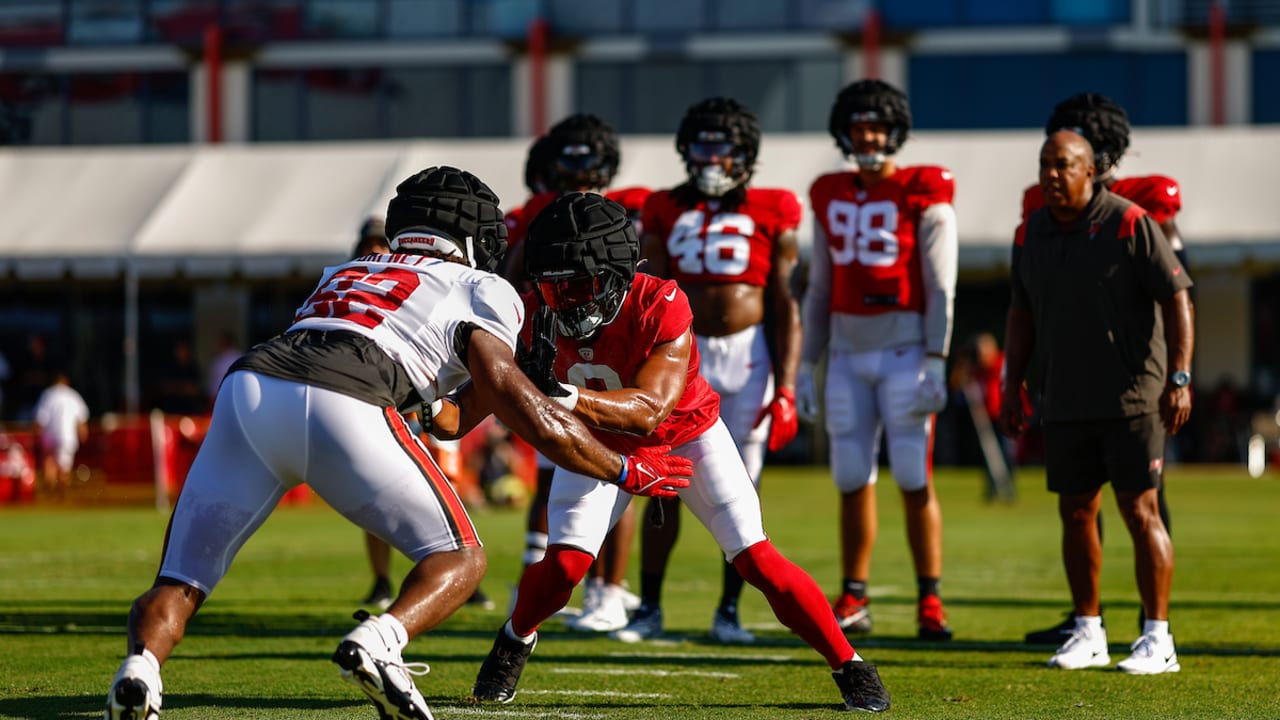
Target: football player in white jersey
{"points": [[320, 404], [881, 287]]}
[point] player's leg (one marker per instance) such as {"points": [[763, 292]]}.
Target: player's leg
{"points": [[721, 498], [368, 464], [658, 533], [379, 554], [1134, 461], [743, 378], [230, 490], [580, 512], [910, 443], [853, 423], [1075, 471]]}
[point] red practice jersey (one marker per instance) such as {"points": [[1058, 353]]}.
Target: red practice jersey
{"points": [[518, 219], [654, 312], [708, 245], [871, 236], [1157, 194]]}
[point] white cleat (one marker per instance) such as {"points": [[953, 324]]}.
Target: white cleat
{"points": [[1086, 648], [135, 691], [605, 613], [1151, 655], [370, 661]]}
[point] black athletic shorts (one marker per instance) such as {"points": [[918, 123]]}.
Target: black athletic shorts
{"points": [[1128, 452]]}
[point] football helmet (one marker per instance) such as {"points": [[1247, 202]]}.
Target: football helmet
{"points": [[584, 154], [870, 101], [582, 258], [1100, 121], [719, 140], [538, 165], [446, 211]]}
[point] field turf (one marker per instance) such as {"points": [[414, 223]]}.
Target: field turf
{"points": [[261, 646]]}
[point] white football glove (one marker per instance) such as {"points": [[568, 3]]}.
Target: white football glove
{"points": [[931, 387], [806, 394]]}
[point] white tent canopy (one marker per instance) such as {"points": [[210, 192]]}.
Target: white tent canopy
{"points": [[269, 209]]}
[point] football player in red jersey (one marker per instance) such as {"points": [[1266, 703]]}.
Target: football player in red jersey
{"points": [[580, 153], [1105, 124], [617, 349], [881, 287], [732, 249]]}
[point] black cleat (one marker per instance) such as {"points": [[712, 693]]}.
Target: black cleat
{"points": [[1056, 635], [860, 685], [500, 673]]}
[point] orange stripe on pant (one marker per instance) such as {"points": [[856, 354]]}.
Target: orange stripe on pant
{"points": [[455, 512]]}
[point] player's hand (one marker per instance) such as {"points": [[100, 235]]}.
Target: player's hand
{"points": [[806, 394], [931, 386], [1175, 408], [538, 360], [1013, 420], [652, 471], [785, 421]]}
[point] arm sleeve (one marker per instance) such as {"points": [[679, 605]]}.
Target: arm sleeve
{"points": [[816, 309], [1162, 274], [1017, 291], [939, 250]]}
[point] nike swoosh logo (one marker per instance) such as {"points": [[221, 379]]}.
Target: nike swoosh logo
{"points": [[670, 296]]}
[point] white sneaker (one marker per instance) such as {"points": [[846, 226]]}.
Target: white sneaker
{"points": [[1086, 648], [646, 624], [605, 614], [1151, 655], [135, 692], [630, 600], [727, 631], [369, 658]]}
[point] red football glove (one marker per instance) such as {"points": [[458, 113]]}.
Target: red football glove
{"points": [[653, 472], [785, 421]]}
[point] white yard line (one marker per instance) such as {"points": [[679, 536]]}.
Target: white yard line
{"points": [[699, 656], [641, 671]]}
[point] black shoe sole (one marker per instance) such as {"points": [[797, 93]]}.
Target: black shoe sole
{"points": [[132, 693], [390, 703]]}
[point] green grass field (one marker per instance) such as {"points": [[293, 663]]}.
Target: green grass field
{"points": [[261, 646]]}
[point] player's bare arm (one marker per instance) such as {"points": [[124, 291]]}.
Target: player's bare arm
{"points": [[499, 384], [638, 410], [1179, 330], [1020, 341], [784, 349]]}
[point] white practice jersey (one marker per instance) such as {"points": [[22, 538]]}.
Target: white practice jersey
{"points": [[412, 307]]}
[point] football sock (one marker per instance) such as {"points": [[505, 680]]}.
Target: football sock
{"points": [[1159, 628], [856, 588], [546, 587], [535, 547], [651, 589], [796, 599], [926, 586], [732, 591]]}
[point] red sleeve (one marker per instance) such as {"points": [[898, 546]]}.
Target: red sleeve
{"points": [[666, 309], [1032, 200], [931, 185], [820, 191], [789, 210]]}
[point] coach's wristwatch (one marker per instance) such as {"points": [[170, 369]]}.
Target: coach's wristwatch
{"points": [[1180, 378]]}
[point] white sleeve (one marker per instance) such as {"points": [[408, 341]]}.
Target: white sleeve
{"points": [[496, 307], [816, 309], [939, 243]]}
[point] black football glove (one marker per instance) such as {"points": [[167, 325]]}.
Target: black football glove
{"points": [[538, 361]]}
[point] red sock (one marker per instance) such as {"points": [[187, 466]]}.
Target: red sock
{"points": [[547, 585], [796, 599]]}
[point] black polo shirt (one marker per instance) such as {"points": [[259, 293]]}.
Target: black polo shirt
{"points": [[1094, 287]]}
